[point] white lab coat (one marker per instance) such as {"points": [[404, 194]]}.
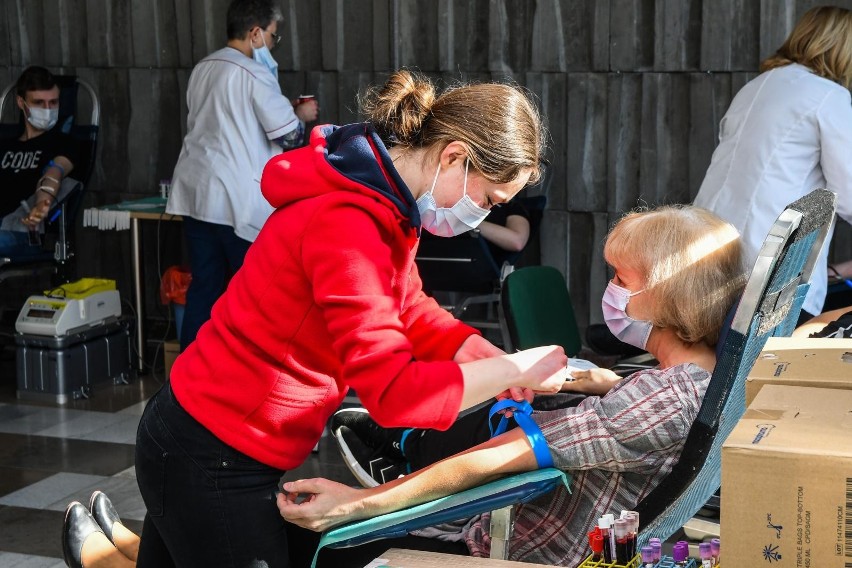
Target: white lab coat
{"points": [[787, 132], [235, 109]]}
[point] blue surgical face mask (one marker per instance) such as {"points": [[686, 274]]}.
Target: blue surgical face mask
{"points": [[42, 118], [263, 56], [450, 221], [614, 304]]}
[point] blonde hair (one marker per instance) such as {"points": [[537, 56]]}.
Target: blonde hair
{"points": [[692, 262], [821, 41], [499, 123]]}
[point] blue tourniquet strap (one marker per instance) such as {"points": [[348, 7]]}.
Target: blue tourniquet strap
{"points": [[521, 412]]}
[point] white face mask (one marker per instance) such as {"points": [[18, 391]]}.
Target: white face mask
{"points": [[450, 221], [631, 331], [263, 56], [43, 118]]}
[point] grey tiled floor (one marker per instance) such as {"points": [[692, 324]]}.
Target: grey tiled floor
{"points": [[51, 455]]}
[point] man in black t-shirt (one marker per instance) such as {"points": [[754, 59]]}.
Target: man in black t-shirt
{"points": [[32, 165]]}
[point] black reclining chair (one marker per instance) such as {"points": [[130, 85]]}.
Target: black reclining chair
{"points": [[79, 117]]}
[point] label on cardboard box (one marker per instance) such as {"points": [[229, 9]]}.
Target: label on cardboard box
{"points": [[787, 480], [797, 361]]}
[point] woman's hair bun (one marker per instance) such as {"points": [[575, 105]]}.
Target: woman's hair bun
{"points": [[400, 107]]}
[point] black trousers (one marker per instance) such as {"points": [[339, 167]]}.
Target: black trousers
{"points": [[210, 505], [207, 503]]}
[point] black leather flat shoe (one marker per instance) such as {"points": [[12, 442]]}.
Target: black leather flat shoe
{"points": [[79, 525], [103, 512]]}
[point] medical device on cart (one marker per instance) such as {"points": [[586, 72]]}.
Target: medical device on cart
{"points": [[71, 338], [70, 308]]}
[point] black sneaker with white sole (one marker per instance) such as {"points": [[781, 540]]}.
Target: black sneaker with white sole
{"points": [[368, 450]]}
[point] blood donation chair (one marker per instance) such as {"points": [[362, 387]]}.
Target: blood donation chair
{"points": [[769, 306], [79, 117]]}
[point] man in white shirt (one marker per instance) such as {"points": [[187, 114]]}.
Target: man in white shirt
{"points": [[238, 119], [787, 132]]}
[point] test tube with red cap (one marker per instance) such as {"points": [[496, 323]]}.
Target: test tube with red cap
{"points": [[595, 532], [596, 543]]}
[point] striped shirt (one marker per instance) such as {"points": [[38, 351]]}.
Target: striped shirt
{"points": [[617, 448]]}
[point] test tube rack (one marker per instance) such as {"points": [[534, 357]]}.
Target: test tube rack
{"points": [[665, 562], [635, 562], [668, 562]]}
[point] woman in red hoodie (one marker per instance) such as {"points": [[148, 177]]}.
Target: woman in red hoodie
{"points": [[329, 298]]}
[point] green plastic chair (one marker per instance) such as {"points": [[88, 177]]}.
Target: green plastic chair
{"points": [[536, 310]]}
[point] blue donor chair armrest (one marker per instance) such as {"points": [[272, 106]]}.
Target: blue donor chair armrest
{"points": [[518, 488]]}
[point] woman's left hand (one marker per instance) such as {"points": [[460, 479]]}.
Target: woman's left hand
{"points": [[318, 504]]}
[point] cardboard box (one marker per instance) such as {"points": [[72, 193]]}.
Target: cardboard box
{"points": [[787, 481], [170, 353], [804, 362]]}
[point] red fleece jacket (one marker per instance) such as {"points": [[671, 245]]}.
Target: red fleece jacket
{"points": [[328, 297]]}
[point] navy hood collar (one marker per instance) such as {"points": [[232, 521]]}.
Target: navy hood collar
{"points": [[357, 152]]}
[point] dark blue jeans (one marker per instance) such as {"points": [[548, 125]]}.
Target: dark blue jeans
{"points": [[215, 251], [208, 504]]}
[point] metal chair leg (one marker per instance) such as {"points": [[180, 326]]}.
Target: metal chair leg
{"points": [[502, 524]]}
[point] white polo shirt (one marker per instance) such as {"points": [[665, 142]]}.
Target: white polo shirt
{"points": [[235, 109], [787, 132]]}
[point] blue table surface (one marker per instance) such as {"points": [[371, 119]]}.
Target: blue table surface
{"points": [[154, 204]]}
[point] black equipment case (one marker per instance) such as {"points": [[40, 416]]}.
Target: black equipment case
{"points": [[59, 369]]}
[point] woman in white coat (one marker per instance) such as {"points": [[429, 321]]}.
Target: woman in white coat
{"points": [[787, 132]]}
